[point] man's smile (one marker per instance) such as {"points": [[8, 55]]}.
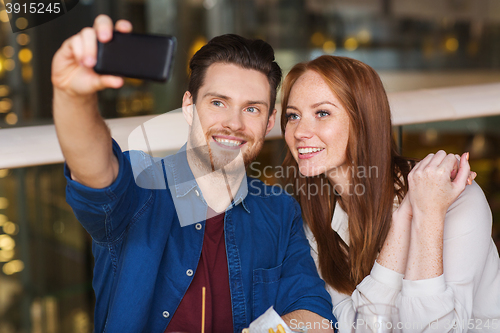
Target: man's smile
{"points": [[228, 142]]}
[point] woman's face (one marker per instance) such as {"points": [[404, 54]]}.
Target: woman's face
{"points": [[317, 130]]}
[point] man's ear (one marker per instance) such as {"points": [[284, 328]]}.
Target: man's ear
{"points": [[187, 107], [271, 121]]}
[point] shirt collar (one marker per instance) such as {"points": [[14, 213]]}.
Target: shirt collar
{"points": [[185, 182]]}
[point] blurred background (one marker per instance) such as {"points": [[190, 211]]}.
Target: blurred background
{"points": [[45, 255]]}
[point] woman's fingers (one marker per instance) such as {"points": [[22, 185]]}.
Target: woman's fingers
{"points": [[449, 166], [437, 159], [423, 163], [452, 164], [463, 172], [473, 175]]}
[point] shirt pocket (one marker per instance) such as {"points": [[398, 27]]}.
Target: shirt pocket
{"points": [[265, 289]]}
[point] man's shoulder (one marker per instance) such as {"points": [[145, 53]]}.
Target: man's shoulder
{"points": [[148, 171]]}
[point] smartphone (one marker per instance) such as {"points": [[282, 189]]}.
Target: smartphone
{"points": [[139, 56]]}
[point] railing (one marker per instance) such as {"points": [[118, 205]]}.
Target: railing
{"points": [[38, 145]]}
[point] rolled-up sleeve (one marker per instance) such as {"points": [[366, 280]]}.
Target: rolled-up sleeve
{"points": [[103, 212]]}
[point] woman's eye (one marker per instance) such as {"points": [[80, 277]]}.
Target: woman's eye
{"points": [[292, 116], [217, 103], [322, 114]]}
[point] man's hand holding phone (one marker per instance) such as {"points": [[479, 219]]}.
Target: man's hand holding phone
{"points": [[80, 69], [84, 138], [73, 64]]}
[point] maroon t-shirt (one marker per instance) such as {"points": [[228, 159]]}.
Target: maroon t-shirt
{"points": [[212, 273]]}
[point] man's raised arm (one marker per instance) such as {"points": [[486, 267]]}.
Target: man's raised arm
{"points": [[83, 135]]}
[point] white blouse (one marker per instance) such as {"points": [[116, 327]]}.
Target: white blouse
{"points": [[466, 298]]}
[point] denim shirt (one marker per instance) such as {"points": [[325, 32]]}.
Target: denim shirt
{"points": [[145, 260]]}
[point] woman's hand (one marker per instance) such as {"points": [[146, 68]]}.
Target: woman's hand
{"points": [[432, 188], [431, 192]]}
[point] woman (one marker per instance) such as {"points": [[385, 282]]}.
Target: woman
{"points": [[433, 257]]}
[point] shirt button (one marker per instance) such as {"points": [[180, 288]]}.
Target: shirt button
{"points": [[197, 193], [198, 226], [166, 314], [189, 272]]}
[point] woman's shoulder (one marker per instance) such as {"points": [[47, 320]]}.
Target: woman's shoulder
{"points": [[472, 198], [469, 213]]}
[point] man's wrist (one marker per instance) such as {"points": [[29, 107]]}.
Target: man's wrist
{"points": [[65, 96]]}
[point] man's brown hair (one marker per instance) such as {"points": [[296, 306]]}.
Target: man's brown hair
{"points": [[233, 49]]}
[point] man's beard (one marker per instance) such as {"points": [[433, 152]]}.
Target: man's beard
{"points": [[212, 157]]}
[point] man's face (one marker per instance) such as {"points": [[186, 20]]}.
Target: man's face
{"points": [[231, 115]]}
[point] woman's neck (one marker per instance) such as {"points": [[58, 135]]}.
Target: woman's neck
{"points": [[340, 179]]}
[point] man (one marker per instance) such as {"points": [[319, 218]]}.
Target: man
{"points": [[150, 271]]}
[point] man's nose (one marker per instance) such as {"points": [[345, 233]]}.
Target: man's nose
{"points": [[234, 121]]}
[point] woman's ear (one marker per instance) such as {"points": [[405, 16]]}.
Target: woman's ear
{"points": [[187, 107]]}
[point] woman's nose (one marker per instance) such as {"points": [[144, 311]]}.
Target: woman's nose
{"points": [[304, 130]]}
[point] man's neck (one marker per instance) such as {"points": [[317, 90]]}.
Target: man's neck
{"points": [[219, 187]]}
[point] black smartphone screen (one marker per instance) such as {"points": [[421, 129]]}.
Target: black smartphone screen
{"points": [[138, 56]]}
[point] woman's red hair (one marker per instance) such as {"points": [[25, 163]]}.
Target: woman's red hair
{"points": [[370, 146]]}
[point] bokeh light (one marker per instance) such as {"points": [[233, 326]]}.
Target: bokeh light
{"points": [[7, 242], [136, 105], [25, 55], [4, 90], [317, 39], [451, 44], [4, 203], [329, 46], [197, 44], [364, 36], [9, 64], [3, 174], [10, 228], [351, 44], [27, 73], [8, 51], [5, 105], [12, 267], [23, 39], [11, 118], [22, 23], [4, 17], [6, 255]]}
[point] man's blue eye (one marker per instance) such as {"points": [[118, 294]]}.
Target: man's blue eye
{"points": [[252, 109], [217, 103]]}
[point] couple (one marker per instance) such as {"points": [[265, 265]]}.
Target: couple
{"points": [[389, 245]]}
